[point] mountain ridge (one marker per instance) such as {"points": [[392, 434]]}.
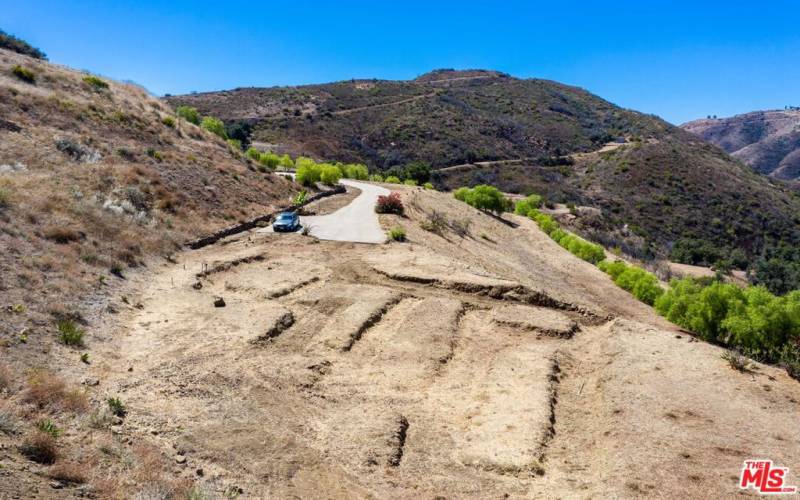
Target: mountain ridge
{"points": [[768, 141]]}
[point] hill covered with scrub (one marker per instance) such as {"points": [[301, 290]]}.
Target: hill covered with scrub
{"points": [[661, 191]]}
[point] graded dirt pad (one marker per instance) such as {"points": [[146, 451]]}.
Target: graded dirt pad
{"points": [[427, 369]]}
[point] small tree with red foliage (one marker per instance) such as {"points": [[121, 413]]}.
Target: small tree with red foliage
{"points": [[389, 204]]}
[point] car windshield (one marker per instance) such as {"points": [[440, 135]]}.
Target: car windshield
{"points": [[286, 217]]}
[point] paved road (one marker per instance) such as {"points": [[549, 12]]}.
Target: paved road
{"points": [[356, 222]]}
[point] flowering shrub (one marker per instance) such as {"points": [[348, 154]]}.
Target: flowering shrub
{"points": [[389, 204]]}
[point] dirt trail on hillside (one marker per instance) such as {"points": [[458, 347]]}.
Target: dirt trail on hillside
{"points": [[446, 367]]}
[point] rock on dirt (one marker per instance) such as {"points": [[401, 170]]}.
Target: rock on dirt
{"points": [[219, 302]]}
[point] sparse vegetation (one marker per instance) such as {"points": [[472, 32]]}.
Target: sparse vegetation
{"points": [[69, 333], [49, 427], [117, 407], [390, 204], [168, 121], [397, 234], [736, 361], [428, 185], [24, 74], [392, 179], [95, 82]]}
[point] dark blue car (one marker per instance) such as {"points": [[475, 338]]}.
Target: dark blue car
{"points": [[286, 221]]}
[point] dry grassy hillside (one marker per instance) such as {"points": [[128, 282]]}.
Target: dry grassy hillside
{"points": [[95, 180], [98, 180]]}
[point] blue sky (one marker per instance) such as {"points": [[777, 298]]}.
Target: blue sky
{"points": [[680, 60]]}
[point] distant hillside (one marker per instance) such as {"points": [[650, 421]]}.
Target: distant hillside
{"points": [[768, 141], [444, 117], [665, 192]]}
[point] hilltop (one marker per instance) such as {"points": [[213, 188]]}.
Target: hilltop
{"points": [[768, 141], [660, 190]]}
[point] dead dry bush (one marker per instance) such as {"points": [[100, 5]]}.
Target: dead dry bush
{"points": [[48, 391], [61, 234], [40, 447], [69, 472]]}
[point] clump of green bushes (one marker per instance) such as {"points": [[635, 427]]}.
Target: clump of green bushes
{"points": [[575, 244], [751, 319], [642, 284], [310, 172], [483, 197], [523, 207]]}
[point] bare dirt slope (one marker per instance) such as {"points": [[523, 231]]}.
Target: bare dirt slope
{"points": [[478, 366]]}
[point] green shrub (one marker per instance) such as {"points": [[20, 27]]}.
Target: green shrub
{"points": [[545, 222], [48, 427], [736, 361], [69, 333], [253, 154], [522, 207], [428, 185], [189, 114], [308, 174], [330, 174], [392, 179], [397, 234], [483, 197], [214, 125], [24, 74], [642, 284], [117, 407], [269, 159], [410, 182], [95, 82], [235, 145], [461, 194], [376, 178], [355, 171], [286, 162], [301, 198], [168, 121], [577, 245]]}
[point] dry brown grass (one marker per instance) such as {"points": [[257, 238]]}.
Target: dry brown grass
{"points": [[40, 447], [47, 390], [61, 235], [70, 472], [6, 378]]}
